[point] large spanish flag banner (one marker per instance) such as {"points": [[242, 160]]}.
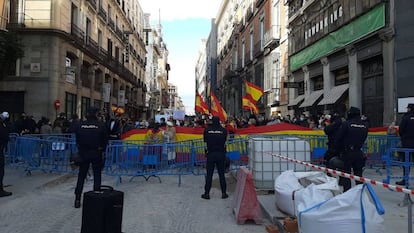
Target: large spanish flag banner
{"points": [[200, 105], [253, 92], [247, 104], [187, 133], [217, 109]]}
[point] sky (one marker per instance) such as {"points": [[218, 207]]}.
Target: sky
{"points": [[184, 24]]}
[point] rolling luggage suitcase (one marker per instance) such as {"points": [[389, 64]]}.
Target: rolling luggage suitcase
{"points": [[102, 211]]}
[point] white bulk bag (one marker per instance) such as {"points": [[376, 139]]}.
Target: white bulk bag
{"points": [[358, 211], [289, 185]]}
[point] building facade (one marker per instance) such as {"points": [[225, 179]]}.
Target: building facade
{"points": [[345, 53], [157, 68], [241, 28], [77, 53]]}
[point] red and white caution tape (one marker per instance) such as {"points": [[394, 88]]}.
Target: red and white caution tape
{"points": [[396, 188]]}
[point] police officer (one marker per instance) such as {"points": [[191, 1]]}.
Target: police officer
{"points": [[215, 136], [331, 131], [351, 138], [406, 131], [4, 139], [91, 139]]}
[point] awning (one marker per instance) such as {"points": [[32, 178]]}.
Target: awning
{"points": [[334, 94], [311, 99], [296, 101]]}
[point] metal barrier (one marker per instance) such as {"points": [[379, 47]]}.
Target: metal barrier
{"points": [[136, 158], [148, 160], [392, 158]]}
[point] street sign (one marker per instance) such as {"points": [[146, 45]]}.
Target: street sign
{"points": [[291, 84]]}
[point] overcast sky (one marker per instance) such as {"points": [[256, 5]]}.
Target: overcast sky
{"points": [[185, 23]]}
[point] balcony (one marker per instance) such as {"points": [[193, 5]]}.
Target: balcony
{"points": [[92, 2], [259, 3], [249, 14], [92, 45], [102, 13], [111, 23], [79, 34], [272, 37], [119, 33], [258, 49]]}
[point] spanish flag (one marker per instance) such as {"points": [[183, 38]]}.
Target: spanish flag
{"points": [[200, 105], [247, 104], [217, 109], [253, 92]]}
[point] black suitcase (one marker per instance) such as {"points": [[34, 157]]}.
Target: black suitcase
{"points": [[102, 211]]}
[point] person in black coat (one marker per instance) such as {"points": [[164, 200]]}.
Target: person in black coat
{"points": [[4, 140], [351, 137], [406, 131], [91, 139], [215, 137], [331, 132]]}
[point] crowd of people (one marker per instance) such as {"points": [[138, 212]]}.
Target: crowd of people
{"points": [[345, 138]]}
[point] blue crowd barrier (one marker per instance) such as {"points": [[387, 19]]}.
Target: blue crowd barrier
{"points": [[393, 157], [135, 158]]}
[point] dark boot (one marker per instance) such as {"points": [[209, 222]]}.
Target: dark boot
{"points": [[205, 196], [224, 195], [4, 193], [77, 201], [401, 182]]}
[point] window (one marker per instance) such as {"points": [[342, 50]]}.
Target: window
{"points": [[109, 48], [251, 38], [88, 30], [243, 52], [70, 104], [262, 32], [85, 104], [317, 83], [99, 38]]}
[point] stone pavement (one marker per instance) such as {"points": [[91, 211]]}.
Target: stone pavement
{"points": [[43, 202]]}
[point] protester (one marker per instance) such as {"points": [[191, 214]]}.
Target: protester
{"points": [[4, 139], [169, 132], [91, 139], [154, 135], [215, 137]]}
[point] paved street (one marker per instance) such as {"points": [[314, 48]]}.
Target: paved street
{"points": [[42, 203]]}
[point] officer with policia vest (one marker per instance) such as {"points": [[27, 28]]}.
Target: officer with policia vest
{"points": [[351, 137], [215, 137], [91, 139]]}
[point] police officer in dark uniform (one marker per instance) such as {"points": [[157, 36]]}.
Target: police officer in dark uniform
{"points": [[352, 136], [331, 131], [406, 131], [91, 139], [215, 136], [4, 140]]}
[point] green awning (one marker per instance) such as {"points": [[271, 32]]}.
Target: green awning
{"points": [[360, 27]]}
